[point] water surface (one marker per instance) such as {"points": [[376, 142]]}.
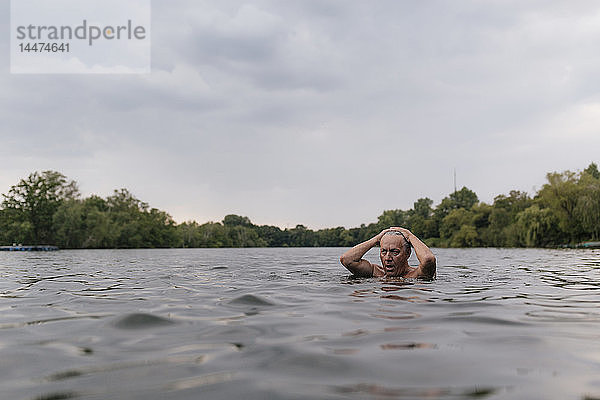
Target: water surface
{"points": [[292, 324]]}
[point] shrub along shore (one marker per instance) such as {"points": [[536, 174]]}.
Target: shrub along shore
{"points": [[47, 208]]}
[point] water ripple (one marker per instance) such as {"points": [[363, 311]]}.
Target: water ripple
{"points": [[291, 323]]}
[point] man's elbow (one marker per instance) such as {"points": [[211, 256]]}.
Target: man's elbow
{"points": [[345, 260], [429, 266], [430, 260], [350, 264]]}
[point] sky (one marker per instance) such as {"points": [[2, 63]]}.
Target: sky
{"points": [[319, 112]]}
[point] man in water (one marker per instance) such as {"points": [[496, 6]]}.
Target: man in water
{"points": [[395, 244]]}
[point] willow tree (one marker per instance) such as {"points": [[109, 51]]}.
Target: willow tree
{"points": [[587, 208], [538, 227], [575, 200]]}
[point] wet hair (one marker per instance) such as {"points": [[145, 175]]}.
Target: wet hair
{"points": [[406, 244]]}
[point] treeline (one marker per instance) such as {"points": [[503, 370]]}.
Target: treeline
{"points": [[47, 208]]}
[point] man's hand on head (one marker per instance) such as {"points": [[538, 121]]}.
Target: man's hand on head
{"points": [[403, 231]]}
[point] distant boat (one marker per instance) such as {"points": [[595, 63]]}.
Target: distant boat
{"points": [[584, 245], [20, 247], [589, 245]]}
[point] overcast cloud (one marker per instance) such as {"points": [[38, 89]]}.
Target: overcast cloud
{"points": [[323, 113]]}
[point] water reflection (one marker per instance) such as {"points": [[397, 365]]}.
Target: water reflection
{"points": [[424, 393], [198, 381], [407, 346], [411, 299], [395, 314]]}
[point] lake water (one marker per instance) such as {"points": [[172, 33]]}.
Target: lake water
{"points": [[292, 324]]}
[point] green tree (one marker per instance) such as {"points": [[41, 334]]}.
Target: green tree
{"points": [[502, 218], [466, 236], [463, 198], [561, 195], [68, 221], [392, 218], [32, 202], [14, 228], [100, 230], [187, 233], [497, 233], [300, 236], [272, 235], [242, 236], [537, 227], [236, 220], [514, 203], [592, 170], [331, 237], [136, 225], [422, 207], [213, 234], [587, 208], [420, 219], [451, 229], [158, 229]]}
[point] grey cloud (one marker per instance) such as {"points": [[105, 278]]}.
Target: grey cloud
{"points": [[275, 109]]}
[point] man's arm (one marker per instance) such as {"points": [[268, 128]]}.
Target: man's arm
{"points": [[427, 261], [352, 259]]}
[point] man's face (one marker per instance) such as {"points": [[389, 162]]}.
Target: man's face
{"points": [[392, 254]]}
